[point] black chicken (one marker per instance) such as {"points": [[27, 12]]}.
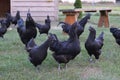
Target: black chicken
{"points": [[7, 20], [94, 45], [16, 18], [46, 27], [80, 28], [116, 33], [27, 31], [3, 28], [66, 50], [37, 54]]}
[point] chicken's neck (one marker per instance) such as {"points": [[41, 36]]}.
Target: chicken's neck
{"points": [[83, 22], [73, 37]]}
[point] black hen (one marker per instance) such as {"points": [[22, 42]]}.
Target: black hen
{"points": [[16, 18], [94, 45], [66, 50], [80, 28], [116, 33], [46, 27], [27, 31], [3, 28], [37, 54], [7, 20]]}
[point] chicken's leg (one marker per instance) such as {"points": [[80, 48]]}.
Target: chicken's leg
{"points": [[59, 67], [37, 69], [90, 59], [65, 66]]}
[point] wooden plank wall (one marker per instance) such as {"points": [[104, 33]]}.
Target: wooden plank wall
{"points": [[39, 8]]}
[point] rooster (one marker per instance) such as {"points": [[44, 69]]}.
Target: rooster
{"points": [[80, 28], [116, 34], [27, 31], [94, 45], [46, 27], [64, 51]]}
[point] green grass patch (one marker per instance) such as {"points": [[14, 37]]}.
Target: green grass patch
{"points": [[14, 63]]}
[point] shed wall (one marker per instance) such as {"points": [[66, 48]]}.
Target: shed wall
{"points": [[39, 8]]}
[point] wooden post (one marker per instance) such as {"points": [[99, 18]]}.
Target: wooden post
{"points": [[71, 17], [103, 20]]}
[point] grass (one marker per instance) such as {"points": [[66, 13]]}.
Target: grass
{"points": [[14, 63]]}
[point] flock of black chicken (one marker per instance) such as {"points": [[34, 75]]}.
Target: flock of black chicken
{"points": [[63, 51]]}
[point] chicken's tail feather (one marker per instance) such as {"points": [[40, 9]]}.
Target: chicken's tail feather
{"points": [[38, 25], [62, 23], [30, 44], [101, 36], [112, 29]]}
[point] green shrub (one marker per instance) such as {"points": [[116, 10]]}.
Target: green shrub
{"points": [[78, 4]]}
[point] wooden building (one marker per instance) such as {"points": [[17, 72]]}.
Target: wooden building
{"points": [[39, 8]]}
